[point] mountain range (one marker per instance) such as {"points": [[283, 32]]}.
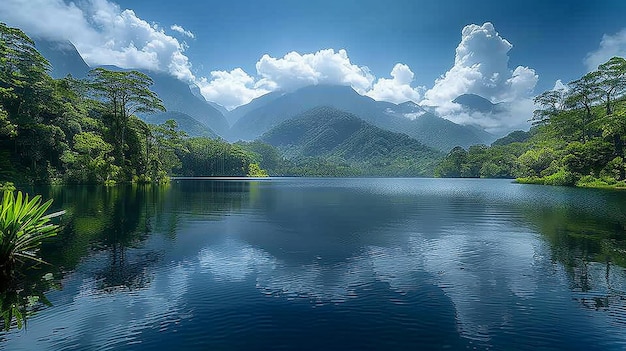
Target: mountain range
{"points": [[266, 112], [186, 105], [329, 133]]}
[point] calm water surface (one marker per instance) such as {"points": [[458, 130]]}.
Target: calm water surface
{"points": [[333, 264]]}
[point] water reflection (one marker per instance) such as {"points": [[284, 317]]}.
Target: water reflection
{"points": [[473, 264], [592, 251], [22, 297]]}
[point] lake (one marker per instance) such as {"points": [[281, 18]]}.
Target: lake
{"points": [[311, 264]]}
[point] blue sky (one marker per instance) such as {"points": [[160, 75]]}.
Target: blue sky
{"points": [[393, 50], [553, 37]]}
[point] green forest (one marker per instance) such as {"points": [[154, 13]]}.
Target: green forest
{"points": [[86, 131], [577, 138]]}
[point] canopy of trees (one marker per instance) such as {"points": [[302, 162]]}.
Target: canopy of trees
{"points": [[85, 131], [576, 139]]}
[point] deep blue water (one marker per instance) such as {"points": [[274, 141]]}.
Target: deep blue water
{"points": [[425, 264]]}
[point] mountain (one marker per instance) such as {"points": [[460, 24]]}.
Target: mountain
{"points": [[63, 57], [408, 118], [185, 122], [234, 115], [177, 96], [477, 103], [407, 109], [195, 90], [518, 136], [329, 133]]}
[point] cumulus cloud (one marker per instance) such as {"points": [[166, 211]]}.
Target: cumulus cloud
{"points": [[230, 89], [183, 31], [105, 34], [481, 68], [102, 33], [288, 73], [397, 89], [294, 71], [610, 46]]}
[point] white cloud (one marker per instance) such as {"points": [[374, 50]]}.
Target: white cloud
{"points": [[481, 68], [558, 85], [183, 31], [397, 89], [105, 34], [230, 89], [294, 71], [290, 72], [610, 46], [102, 33]]}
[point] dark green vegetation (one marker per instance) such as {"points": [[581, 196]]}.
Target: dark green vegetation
{"points": [[23, 226], [577, 137], [87, 130], [109, 125], [326, 133]]}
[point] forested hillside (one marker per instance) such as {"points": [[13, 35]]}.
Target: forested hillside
{"points": [[331, 134], [577, 137], [85, 131]]}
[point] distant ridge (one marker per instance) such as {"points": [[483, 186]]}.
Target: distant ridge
{"points": [[266, 112], [333, 134]]}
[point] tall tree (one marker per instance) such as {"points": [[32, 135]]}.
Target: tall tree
{"points": [[124, 94], [166, 140], [584, 93], [612, 81], [550, 103], [612, 85]]}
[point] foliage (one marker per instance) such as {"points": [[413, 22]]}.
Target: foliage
{"points": [[255, 171], [214, 157], [326, 135], [23, 226], [577, 138]]}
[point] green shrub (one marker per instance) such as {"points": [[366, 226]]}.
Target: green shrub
{"points": [[22, 227]]}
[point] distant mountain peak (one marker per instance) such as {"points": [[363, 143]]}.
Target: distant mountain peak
{"points": [[475, 102], [63, 57], [410, 104]]}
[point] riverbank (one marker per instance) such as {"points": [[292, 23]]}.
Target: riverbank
{"points": [[584, 182]]}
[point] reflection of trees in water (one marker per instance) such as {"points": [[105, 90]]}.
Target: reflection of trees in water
{"points": [[23, 296], [126, 227], [592, 251], [118, 220], [108, 228]]}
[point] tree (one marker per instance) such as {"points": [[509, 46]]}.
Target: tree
{"points": [[124, 94], [584, 93], [551, 103], [533, 162], [612, 81], [453, 164], [90, 161], [611, 84], [23, 74], [164, 142]]}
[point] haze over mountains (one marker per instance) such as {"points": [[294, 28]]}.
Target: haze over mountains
{"points": [[199, 117]]}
